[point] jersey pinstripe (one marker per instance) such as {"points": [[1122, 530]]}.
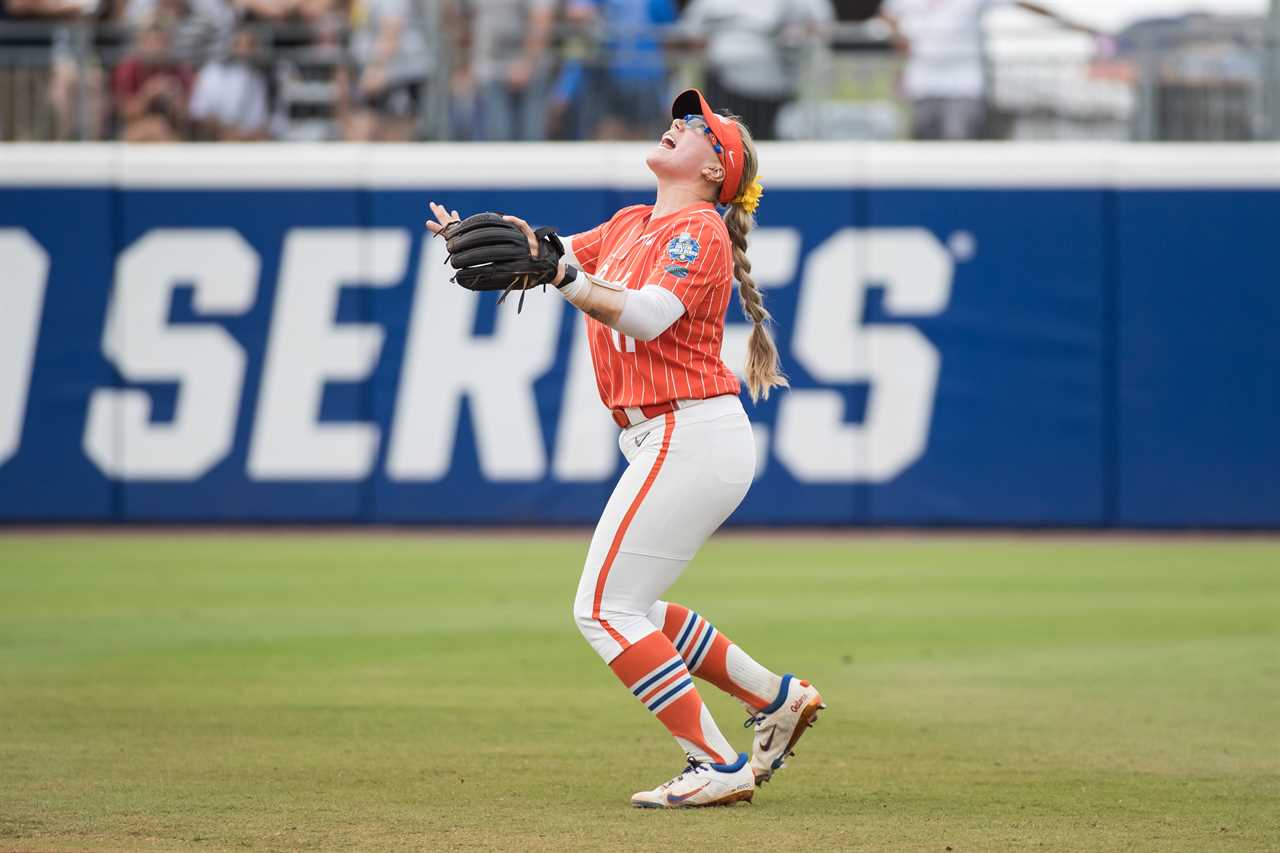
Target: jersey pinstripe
{"points": [[688, 253]]}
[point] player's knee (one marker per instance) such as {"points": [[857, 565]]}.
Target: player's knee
{"points": [[582, 617], [591, 616]]}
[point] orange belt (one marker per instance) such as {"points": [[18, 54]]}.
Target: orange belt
{"points": [[620, 415]]}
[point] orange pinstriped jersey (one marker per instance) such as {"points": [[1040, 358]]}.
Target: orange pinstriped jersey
{"points": [[688, 253]]}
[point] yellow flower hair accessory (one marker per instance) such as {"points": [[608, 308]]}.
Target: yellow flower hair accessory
{"points": [[750, 197]]}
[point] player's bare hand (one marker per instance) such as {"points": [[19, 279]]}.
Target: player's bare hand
{"points": [[443, 218], [528, 233]]}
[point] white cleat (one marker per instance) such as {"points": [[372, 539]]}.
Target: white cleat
{"points": [[702, 784], [780, 725]]}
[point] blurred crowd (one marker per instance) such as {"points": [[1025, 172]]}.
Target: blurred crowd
{"points": [[170, 70], [483, 70]]}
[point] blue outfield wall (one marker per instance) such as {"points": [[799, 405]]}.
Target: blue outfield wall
{"points": [[976, 335]]}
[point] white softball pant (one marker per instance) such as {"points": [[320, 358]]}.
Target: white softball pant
{"points": [[688, 470]]}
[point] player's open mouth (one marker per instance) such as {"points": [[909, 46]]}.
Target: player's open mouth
{"points": [[668, 141]]}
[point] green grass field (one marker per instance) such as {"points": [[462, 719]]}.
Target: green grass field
{"points": [[383, 692]]}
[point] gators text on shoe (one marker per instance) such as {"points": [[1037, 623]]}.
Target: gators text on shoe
{"points": [[779, 725]]}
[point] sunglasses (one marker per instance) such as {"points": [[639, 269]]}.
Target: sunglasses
{"points": [[696, 123]]}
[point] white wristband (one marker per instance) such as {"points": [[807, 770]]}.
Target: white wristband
{"points": [[575, 288]]}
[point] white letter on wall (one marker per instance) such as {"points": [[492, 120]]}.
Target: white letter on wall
{"points": [[445, 362], [307, 349], [586, 436], [26, 269], [899, 363], [203, 359]]}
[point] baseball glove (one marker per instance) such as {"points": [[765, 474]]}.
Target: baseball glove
{"points": [[490, 253]]}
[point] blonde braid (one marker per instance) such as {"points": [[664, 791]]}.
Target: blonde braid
{"points": [[763, 369]]}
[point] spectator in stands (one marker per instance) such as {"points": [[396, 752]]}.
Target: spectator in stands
{"points": [[389, 45], [231, 101], [626, 90], [509, 65], [49, 9], [199, 29], [292, 23], [306, 40], [75, 77], [753, 52], [263, 10], [56, 11], [151, 89], [945, 77], [569, 116]]}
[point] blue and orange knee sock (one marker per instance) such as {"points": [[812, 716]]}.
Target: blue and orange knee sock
{"points": [[711, 655], [657, 675]]}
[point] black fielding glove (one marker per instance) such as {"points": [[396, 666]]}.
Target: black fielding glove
{"points": [[490, 253]]}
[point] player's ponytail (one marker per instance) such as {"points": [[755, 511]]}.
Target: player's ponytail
{"points": [[763, 369]]}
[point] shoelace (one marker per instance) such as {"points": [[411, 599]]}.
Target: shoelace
{"points": [[694, 766]]}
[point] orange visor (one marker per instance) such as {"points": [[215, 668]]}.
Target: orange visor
{"points": [[724, 134]]}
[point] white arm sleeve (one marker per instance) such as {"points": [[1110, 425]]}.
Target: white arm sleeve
{"points": [[648, 312]]}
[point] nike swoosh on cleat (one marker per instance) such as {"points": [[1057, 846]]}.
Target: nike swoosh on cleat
{"points": [[769, 742], [674, 800]]}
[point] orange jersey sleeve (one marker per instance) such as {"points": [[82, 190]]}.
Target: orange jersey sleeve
{"points": [[586, 247]]}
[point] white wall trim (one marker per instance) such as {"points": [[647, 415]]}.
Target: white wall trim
{"points": [[442, 166]]}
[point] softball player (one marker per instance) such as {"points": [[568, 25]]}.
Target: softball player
{"points": [[655, 283]]}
